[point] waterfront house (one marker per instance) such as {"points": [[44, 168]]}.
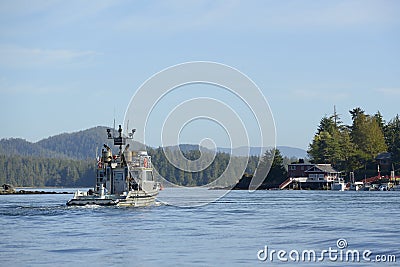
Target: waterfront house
{"points": [[308, 175]]}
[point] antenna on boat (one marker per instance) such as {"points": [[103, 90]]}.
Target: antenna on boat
{"points": [[114, 127], [114, 123], [127, 126]]}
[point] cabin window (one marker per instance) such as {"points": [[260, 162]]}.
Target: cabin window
{"points": [[147, 176], [292, 168], [135, 174], [150, 176]]}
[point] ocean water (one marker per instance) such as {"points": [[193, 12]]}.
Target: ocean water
{"points": [[39, 230]]}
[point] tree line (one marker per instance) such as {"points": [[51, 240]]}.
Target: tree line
{"points": [[62, 172], [38, 172], [218, 168], [208, 175], [67, 160], [354, 147]]}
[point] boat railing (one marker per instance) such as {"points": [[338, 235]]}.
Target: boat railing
{"points": [[141, 161]]}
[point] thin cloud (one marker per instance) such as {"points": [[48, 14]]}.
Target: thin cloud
{"points": [[54, 8], [25, 7], [331, 14], [311, 94], [187, 16], [16, 56], [176, 16], [30, 89], [168, 16], [389, 91]]}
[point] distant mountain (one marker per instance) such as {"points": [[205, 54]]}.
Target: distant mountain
{"points": [[286, 151], [189, 147], [85, 143], [68, 159], [77, 145], [289, 152], [21, 147], [241, 151]]}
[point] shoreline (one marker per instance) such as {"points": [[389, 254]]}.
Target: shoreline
{"points": [[30, 192]]}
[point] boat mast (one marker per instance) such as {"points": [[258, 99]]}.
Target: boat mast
{"points": [[120, 140]]}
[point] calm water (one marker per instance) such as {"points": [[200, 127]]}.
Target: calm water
{"points": [[41, 230]]}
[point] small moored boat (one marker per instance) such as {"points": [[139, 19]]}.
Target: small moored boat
{"points": [[338, 185], [123, 179]]}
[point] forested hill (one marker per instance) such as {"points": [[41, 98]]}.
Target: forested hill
{"points": [[69, 160], [63, 160], [85, 143], [21, 147], [77, 145], [66, 159]]}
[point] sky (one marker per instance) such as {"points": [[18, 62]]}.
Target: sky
{"points": [[66, 66]]}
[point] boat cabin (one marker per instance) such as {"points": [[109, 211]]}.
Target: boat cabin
{"points": [[122, 173]]}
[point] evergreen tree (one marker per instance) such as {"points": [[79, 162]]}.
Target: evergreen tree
{"points": [[330, 142], [381, 122], [367, 135], [348, 148], [392, 138], [277, 172]]}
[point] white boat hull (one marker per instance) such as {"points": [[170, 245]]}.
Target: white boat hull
{"points": [[338, 187], [133, 199]]}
